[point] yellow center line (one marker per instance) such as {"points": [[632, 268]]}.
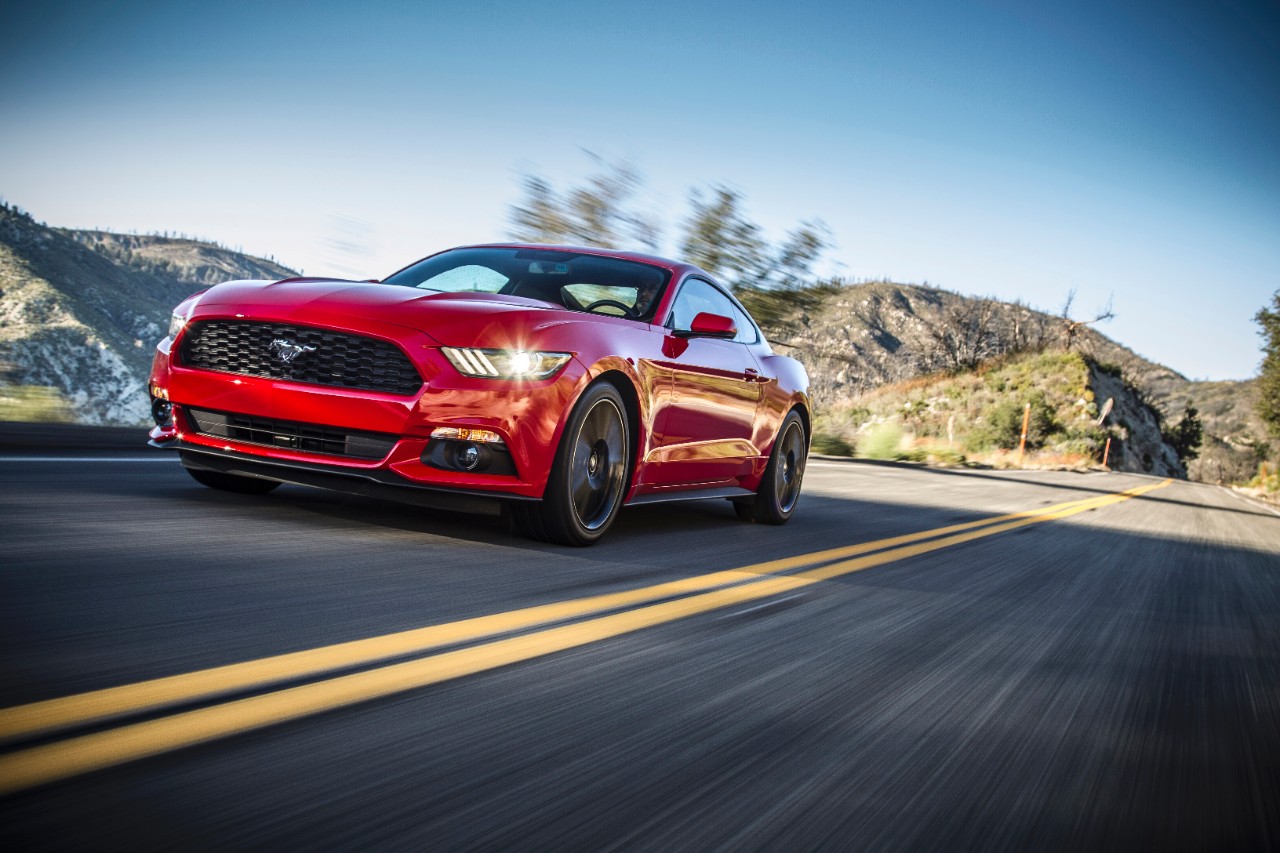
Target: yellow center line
{"points": [[100, 705], [48, 763]]}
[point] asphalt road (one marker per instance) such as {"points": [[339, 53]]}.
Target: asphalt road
{"points": [[1029, 662]]}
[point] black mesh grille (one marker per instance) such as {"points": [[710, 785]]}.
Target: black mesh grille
{"points": [[299, 354], [311, 438]]}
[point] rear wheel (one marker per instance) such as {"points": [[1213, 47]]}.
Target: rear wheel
{"points": [[232, 482], [779, 490], [588, 478]]}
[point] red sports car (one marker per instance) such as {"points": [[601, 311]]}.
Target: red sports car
{"points": [[556, 383]]}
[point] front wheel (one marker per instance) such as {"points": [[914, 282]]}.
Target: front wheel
{"points": [[588, 478], [779, 492]]}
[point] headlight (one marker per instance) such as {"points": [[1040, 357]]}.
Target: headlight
{"points": [[505, 363], [176, 322]]}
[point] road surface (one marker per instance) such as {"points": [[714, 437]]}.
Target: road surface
{"points": [[921, 659]]}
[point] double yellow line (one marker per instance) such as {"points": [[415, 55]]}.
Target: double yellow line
{"points": [[83, 753]]}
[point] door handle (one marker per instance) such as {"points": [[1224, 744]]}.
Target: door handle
{"points": [[753, 375]]}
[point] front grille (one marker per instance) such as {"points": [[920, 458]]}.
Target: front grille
{"points": [[311, 438], [299, 354]]}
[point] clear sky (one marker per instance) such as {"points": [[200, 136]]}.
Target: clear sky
{"points": [[1015, 149]]}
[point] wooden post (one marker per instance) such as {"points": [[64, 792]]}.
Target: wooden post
{"points": [[1022, 445], [1106, 452]]}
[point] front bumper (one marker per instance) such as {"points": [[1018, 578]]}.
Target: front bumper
{"points": [[373, 483], [527, 415]]}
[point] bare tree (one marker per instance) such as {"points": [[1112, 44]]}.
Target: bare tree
{"points": [[772, 281], [597, 213], [1071, 327], [721, 240], [967, 334], [540, 217], [1029, 332]]}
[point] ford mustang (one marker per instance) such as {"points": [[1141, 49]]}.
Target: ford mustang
{"points": [[554, 383]]}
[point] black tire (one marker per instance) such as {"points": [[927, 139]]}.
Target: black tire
{"points": [[232, 482], [588, 478], [779, 491]]}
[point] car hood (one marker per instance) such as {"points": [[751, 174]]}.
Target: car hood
{"points": [[451, 319]]}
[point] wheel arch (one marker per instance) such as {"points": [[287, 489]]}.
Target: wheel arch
{"points": [[806, 419]]}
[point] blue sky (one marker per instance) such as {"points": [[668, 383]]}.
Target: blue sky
{"points": [[1022, 150]]}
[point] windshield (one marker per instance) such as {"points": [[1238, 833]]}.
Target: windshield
{"points": [[575, 281]]}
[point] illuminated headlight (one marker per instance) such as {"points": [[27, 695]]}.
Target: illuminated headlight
{"points": [[505, 363], [176, 322]]}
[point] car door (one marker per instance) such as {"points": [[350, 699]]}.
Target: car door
{"points": [[704, 433]]}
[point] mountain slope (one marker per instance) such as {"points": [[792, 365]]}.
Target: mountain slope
{"points": [[80, 312], [181, 261], [978, 416], [859, 337]]}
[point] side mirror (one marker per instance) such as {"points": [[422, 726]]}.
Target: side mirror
{"points": [[708, 325]]}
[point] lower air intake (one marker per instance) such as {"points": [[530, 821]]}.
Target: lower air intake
{"points": [[308, 438]]}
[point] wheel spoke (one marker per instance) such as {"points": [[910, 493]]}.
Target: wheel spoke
{"points": [[598, 465], [594, 424], [613, 438], [581, 489], [582, 450]]}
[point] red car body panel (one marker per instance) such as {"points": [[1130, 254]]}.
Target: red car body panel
{"points": [[706, 410]]}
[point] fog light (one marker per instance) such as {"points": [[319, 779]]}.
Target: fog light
{"points": [[161, 411], [467, 456]]}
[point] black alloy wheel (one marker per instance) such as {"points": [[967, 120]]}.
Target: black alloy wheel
{"points": [[589, 477], [779, 490]]}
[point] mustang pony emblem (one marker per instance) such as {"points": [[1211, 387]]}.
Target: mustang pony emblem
{"points": [[287, 351]]}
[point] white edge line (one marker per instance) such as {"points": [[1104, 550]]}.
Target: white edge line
{"points": [[1254, 503]]}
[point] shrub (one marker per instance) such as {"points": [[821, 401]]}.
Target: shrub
{"points": [[1109, 368], [942, 455], [883, 441], [1002, 426], [830, 444], [1084, 441], [33, 403]]}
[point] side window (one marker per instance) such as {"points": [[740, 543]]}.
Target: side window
{"points": [[747, 333], [697, 296]]}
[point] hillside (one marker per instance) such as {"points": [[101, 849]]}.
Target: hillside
{"points": [[977, 416], [1235, 439], [857, 338], [81, 311]]}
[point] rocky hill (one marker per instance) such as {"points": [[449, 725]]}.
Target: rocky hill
{"points": [[860, 336], [81, 311], [1235, 438], [857, 338]]}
